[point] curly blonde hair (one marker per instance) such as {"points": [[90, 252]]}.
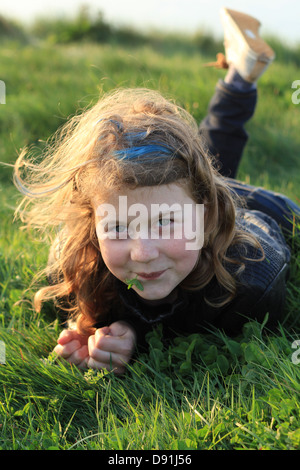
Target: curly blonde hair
{"points": [[91, 156]]}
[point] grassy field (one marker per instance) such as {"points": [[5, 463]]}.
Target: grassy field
{"points": [[200, 392]]}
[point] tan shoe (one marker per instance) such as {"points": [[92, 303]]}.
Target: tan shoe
{"points": [[244, 49]]}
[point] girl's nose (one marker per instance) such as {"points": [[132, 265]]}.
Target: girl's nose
{"points": [[144, 250]]}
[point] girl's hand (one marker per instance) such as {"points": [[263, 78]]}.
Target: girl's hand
{"points": [[73, 347], [111, 347]]}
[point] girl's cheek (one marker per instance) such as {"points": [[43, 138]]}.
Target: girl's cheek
{"points": [[174, 247], [112, 253], [177, 251]]}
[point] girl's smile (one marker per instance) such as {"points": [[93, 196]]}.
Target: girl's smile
{"points": [[160, 263], [153, 275]]}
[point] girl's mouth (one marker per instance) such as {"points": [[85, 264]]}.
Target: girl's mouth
{"points": [[153, 275]]}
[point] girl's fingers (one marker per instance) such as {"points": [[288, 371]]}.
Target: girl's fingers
{"points": [[109, 348], [115, 344], [66, 336], [65, 350], [111, 366], [108, 351], [73, 352], [108, 359], [69, 335], [80, 357]]}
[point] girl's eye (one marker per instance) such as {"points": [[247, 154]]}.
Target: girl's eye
{"points": [[165, 222], [116, 230], [120, 228]]}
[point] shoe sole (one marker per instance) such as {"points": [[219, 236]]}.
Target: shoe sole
{"points": [[244, 30]]}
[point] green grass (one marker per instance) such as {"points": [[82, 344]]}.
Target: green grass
{"points": [[201, 392]]}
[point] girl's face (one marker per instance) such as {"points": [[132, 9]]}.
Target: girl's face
{"points": [[145, 235]]}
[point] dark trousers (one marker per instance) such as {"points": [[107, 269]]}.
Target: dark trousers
{"points": [[223, 128], [225, 136]]}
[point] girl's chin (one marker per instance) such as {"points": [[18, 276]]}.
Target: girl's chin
{"points": [[157, 297]]}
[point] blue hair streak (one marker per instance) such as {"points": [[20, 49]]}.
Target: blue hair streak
{"points": [[140, 151], [137, 147]]}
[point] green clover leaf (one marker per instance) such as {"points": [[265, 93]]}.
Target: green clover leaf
{"points": [[134, 282]]}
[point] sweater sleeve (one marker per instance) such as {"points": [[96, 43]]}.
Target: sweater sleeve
{"points": [[254, 303], [262, 285]]}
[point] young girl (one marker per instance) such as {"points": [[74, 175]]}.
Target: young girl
{"points": [[116, 277]]}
